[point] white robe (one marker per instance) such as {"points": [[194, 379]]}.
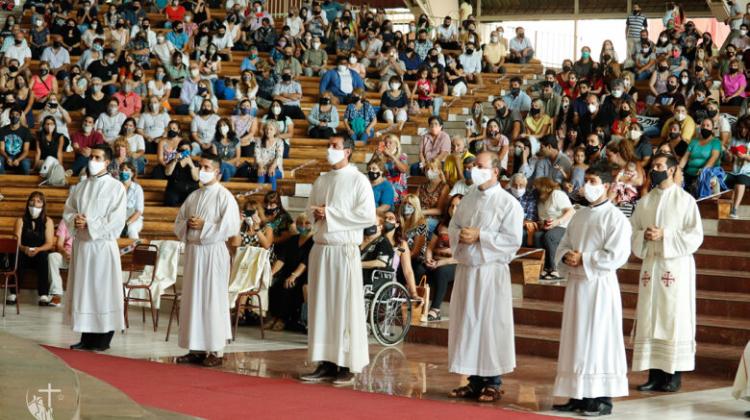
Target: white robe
{"points": [[741, 388], [665, 324], [205, 324], [480, 331], [337, 328], [591, 362], [94, 302]]}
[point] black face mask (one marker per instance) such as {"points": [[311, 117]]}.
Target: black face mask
{"points": [[373, 175], [270, 212], [671, 88], [470, 51], [172, 134], [202, 90], [674, 135], [711, 113], [657, 177], [591, 150], [534, 111], [706, 133], [205, 112], [515, 91], [372, 230], [500, 112], [286, 77], [136, 78], [566, 68], [324, 101], [13, 69], [56, 44], [733, 70], [663, 68], [624, 114], [15, 120], [388, 227]]}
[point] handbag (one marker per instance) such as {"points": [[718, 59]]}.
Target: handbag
{"points": [[419, 306]]}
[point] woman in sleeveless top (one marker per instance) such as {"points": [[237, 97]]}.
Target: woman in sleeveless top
{"points": [[439, 261], [36, 238], [42, 86]]}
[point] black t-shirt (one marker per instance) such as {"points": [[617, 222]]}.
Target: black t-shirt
{"points": [[94, 107], [14, 140], [292, 254], [101, 70], [379, 249]]}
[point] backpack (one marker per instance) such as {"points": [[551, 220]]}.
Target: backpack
{"points": [[53, 173]]}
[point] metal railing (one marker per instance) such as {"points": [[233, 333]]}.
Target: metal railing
{"points": [[279, 8]]}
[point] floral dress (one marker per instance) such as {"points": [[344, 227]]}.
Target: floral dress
{"points": [[397, 178]]}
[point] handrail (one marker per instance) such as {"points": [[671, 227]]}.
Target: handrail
{"points": [[526, 254], [713, 195]]}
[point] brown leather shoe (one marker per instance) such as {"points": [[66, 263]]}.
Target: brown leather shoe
{"points": [[212, 361]]}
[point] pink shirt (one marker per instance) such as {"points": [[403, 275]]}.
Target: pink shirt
{"points": [[731, 84], [431, 146], [62, 232]]}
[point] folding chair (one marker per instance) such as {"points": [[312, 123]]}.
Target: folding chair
{"points": [[143, 256], [175, 311], [9, 246]]}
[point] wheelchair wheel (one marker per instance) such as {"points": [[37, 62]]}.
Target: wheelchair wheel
{"points": [[390, 314]]}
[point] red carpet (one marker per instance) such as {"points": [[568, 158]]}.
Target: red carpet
{"points": [[220, 395]]}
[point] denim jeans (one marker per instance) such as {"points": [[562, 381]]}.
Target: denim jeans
{"points": [[227, 171], [270, 178], [24, 166]]}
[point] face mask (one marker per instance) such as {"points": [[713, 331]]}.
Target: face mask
{"points": [[733, 70], [206, 177], [663, 39], [202, 90], [43, 72], [635, 135], [590, 150], [432, 175], [706, 133], [674, 134], [205, 112], [15, 120], [493, 39], [270, 211], [127, 88], [700, 98], [480, 175], [172, 133], [518, 192], [663, 68], [96, 88], [684, 80], [566, 68], [408, 210], [276, 110], [680, 116], [617, 93], [334, 156], [303, 231], [534, 111], [515, 91], [646, 50], [387, 227], [624, 114], [711, 113], [87, 129], [671, 88], [657, 177], [395, 86], [224, 130], [247, 111], [592, 108], [585, 55], [195, 72], [501, 111], [95, 167], [373, 175], [112, 110], [518, 151], [467, 175], [470, 51], [124, 176], [592, 192], [35, 211]]}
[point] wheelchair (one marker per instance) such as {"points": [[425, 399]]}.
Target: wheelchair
{"points": [[387, 307]]}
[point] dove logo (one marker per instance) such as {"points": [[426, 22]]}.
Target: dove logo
{"points": [[36, 405]]}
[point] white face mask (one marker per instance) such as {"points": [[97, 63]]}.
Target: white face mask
{"points": [[206, 177], [224, 130], [408, 210], [195, 72], [493, 39], [342, 68], [518, 192], [276, 110], [335, 156], [680, 116], [316, 45], [635, 135], [592, 108], [395, 86], [95, 167], [684, 80], [432, 174], [353, 60], [592, 192], [617, 93], [480, 175], [35, 211]]}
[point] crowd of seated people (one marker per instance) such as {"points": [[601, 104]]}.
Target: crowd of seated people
{"points": [[669, 92]]}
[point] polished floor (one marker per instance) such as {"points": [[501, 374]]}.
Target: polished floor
{"points": [[409, 370]]}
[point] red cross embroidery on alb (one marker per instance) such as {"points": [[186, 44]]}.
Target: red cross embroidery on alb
{"points": [[667, 278], [646, 278]]}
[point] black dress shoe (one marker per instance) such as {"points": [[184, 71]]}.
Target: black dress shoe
{"points": [[105, 348], [747, 413], [78, 346], [324, 372], [571, 406], [673, 382], [655, 381], [597, 409]]}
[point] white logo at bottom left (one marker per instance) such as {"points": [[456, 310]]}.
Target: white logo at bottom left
{"points": [[36, 405]]}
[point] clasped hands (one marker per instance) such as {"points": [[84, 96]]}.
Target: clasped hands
{"points": [[80, 221], [572, 258], [319, 212], [195, 223], [654, 233], [468, 235]]}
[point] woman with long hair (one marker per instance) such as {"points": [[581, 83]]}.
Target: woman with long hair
{"points": [[35, 232], [135, 203], [401, 257], [441, 267], [245, 125], [555, 211], [275, 216], [49, 143], [269, 155], [433, 195], [414, 229], [226, 146]]}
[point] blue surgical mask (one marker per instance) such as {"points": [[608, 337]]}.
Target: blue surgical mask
{"points": [[467, 174], [303, 230], [124, 176]]}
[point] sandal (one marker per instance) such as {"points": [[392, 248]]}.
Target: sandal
{"points": [[279, 325], [554, 275], [463, 392], [489, 394], [433, 315]]}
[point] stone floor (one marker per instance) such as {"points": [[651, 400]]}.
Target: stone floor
{"points": [[410, 370]]}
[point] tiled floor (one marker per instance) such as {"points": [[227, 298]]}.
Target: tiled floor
{"points": [[411, 370]]}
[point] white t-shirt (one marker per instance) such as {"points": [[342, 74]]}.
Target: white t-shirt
{"points": [[136, 143], [294, 24], [110, 126], [223, 42], [153, 126], [445, 34], [554, 207], [20, 53], [346, 81], [206, 128]]}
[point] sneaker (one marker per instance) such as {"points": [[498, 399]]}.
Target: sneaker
{"points": [[44, 300], [11, 300], [55, 301], [733, 214], [324, 372]]}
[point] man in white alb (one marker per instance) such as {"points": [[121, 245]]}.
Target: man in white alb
{"points": [[591, 364], [207, 219], [95, 215], [484, 234], [667, 230], [342, 205], [741, 387]]}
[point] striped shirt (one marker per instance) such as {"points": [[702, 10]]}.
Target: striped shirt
{"points": [[635, 24]]}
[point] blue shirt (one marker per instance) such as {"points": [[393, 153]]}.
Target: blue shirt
{"points": [[412, 63], [384, 194], [178, 40]]}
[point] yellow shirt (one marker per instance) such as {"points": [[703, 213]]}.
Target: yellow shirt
{"points": [[687, 125], [453, 166], [494, 52]]}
